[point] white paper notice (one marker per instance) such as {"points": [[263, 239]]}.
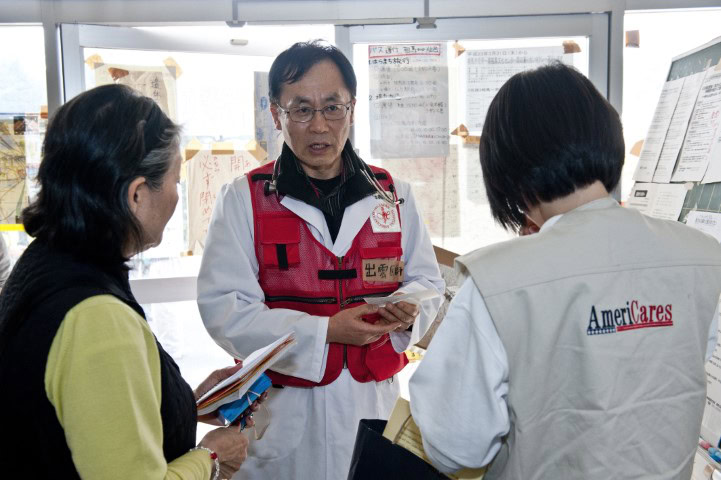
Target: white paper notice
{"points": [[408, 93], [487, 70], [270, 139], [711, 423], [713, 172], [658, 200], [207, 173], [677, 128], [708, 222], [653, 143], [702, 128], [158, 83]]}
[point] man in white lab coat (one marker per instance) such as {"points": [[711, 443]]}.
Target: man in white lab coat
{"points": [[296, 245]]}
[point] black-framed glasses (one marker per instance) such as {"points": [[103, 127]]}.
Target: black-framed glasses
{"points": [[336, 111]]}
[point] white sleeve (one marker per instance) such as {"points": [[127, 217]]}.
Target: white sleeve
{"points": [[230, 299], [420, 270], [458, 393], [713, 333]]}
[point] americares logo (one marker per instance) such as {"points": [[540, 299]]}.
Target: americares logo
{"points": [[630, 317]]}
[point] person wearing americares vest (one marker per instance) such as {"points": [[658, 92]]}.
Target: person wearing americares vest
{"points": [[583, 344], [296, 245], [87, 391]]}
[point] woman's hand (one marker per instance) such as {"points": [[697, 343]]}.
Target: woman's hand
{"points": [[213, 379], [230, 445], [248, 413]]}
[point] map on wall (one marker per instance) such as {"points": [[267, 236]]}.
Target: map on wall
{"points": [[13, 191], [158, 83]]}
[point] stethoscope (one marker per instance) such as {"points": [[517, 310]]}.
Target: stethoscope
{"points": [[390, 197]]}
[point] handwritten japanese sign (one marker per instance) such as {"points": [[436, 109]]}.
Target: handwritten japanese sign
{"points": [[383, 270], [207, 173], [158, 83], [408, 94]]}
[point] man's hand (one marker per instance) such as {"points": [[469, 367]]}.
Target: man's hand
{"points": [[347, 326], [402, 313]]}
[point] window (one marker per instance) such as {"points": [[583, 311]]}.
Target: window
{"points": [[449, 188], [23, 118]]}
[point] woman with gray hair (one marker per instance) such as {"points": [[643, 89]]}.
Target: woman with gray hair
{"points": [[99, 395]]}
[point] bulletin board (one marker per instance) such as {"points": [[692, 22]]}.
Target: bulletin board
{"points": [[683, 183]]}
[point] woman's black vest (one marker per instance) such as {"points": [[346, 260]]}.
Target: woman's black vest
{"points": [[43, 286]]}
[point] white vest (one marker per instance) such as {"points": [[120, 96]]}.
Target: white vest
{"points": [[604, 317]]}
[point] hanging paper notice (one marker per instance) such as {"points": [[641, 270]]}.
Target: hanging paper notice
{"points": [[270, 139], [658, 200], [709, 222], [207, 173], [705, 119], [487, 70], [653, 143], [713, 173], [408, 93], [157, 83], [677, 127], [13, 192]]}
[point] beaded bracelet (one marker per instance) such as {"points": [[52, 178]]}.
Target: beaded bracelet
{"points": [[213, 457]]}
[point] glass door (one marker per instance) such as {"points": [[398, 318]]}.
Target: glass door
{"points": [[423, 95]]}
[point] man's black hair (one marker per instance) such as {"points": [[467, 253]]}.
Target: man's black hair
{"points": [[547, 133], [293, 63]]}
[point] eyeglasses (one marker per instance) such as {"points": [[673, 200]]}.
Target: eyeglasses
{"points": [[337, 111]]}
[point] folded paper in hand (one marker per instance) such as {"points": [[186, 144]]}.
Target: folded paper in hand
{"points": [[415, 297], [235, 386]]}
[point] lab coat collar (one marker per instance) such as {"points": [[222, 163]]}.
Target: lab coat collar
{"points": [[310, 215], [353, 219]]}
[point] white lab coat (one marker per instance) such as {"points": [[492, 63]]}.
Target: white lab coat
{"points": [[312, 430]]}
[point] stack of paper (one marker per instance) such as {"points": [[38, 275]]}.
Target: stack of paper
{"points": [[235, 386]]}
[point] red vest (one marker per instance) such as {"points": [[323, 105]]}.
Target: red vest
{"points": [[297, 272]]}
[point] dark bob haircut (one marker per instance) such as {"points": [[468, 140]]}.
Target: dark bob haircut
{"points": [[95, 146], [547, 133], [293, 63]]}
